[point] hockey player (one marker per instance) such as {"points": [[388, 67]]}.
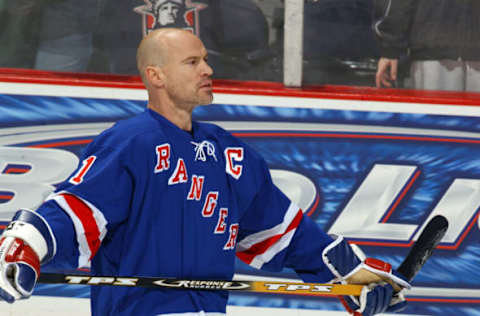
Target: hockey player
{"points": [[162, 195]]}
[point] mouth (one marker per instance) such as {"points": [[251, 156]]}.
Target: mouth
{"points": [[206, 85]]}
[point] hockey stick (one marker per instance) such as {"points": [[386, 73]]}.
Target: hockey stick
{"points": [[418, 255], [298, 288], [421, 250], [430, 237]]}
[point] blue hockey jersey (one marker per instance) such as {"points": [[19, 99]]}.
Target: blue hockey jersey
{"points": [[150, 199]]}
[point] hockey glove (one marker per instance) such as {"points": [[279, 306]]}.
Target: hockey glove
{"points": [[25, 243], [375, 298], [349, 265]]}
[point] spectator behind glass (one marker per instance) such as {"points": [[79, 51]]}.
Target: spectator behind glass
{"points": [[339, 45], [102, 35], [441, 38], [66, 35], [19, 25]]}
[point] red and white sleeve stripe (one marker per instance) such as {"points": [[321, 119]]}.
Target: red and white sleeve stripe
{"points": [[89, 222], [259, 248]]}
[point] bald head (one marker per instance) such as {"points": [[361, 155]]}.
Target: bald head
{"points": [[154, 48], [174, 68]]}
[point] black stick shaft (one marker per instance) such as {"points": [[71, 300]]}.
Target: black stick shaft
{"points": [[430, 237]]}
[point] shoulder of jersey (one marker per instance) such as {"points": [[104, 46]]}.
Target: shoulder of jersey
{"points": [[217, 132], [124, 131]]}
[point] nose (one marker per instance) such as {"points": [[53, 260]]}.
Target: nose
{"points": [[206, 69]]}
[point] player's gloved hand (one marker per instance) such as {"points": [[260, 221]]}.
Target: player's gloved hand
{"points": [[375, 298], [24, 245], [19, 269], [349, 265]]}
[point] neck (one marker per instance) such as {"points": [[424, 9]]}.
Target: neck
{"points": [[179, 117]]}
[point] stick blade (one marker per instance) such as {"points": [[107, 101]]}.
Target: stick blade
{"points": [[430, 237]]}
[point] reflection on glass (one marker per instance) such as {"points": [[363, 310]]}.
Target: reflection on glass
{"points": [[102, 35]]}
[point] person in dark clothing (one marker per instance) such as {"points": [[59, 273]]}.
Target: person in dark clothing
{"points": [[440, 37], [19, 32], [102, 35], [339, 46]]}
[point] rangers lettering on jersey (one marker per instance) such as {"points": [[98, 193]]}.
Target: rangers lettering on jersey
{"points": [[222, 215], [163, 157], [196, 188], [210, 204], [180, 173], [233, 237]]}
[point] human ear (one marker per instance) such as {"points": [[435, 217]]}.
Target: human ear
{"points": [[155, 76]]}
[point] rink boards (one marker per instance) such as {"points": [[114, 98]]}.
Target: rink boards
{"points": [[373, 171]]}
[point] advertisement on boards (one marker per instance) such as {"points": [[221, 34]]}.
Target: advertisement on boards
{"points": [[375, 177]]}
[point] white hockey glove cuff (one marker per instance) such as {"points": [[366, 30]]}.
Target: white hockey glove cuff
{"points": [[35, 231], [25, 243]]}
